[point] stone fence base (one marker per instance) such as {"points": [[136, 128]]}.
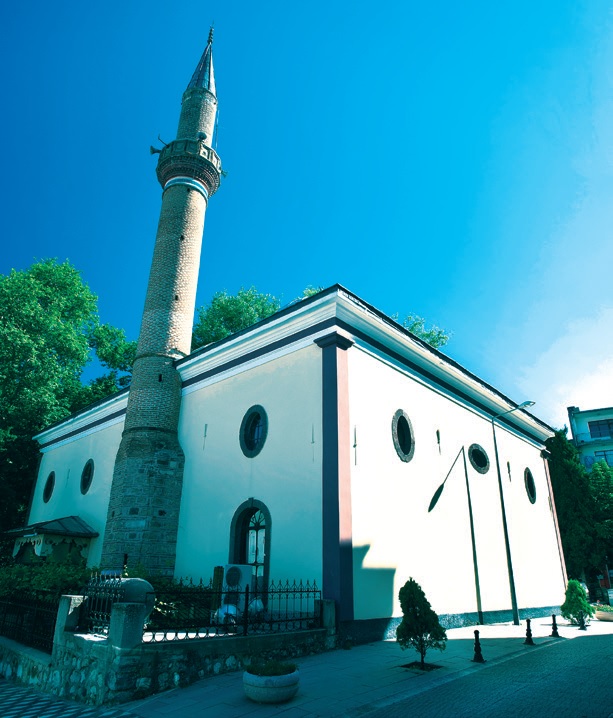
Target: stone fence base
{"points": [[120, 668]]}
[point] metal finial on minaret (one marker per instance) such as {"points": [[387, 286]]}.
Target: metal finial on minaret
{"points": [[211, 29], [143, 515]]}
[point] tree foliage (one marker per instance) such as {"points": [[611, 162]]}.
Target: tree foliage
{"points": [[434, 336], [420, 628], [48, 328], [576, 506], [601, 484], [227, 314], [576, 607], [56, 578]]}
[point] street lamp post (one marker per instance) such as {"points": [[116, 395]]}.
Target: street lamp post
{"points": [[433, 502], [507, 545]]}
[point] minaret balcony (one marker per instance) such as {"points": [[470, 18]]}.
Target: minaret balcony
{"points": [[190, 158]]}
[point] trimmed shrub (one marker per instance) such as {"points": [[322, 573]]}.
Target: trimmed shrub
{"points": [[420, 628], [576, 607]]}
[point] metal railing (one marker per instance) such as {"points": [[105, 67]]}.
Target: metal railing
{"points": [[30, 618], [186, 611], [100, 594]]}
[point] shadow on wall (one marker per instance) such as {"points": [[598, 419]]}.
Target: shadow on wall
{"points": [[373, 588]]}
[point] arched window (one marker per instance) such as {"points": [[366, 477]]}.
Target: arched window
{"points": [[250, 540]]}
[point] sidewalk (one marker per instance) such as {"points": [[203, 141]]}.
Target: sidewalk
{"points": [[363, 679], [351, 683]]}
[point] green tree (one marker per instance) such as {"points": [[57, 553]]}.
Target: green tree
{"points": [[420, 628], [114, 353], [576, 608], [227, 314], [601, 485], [575, 507], [48, 326]]}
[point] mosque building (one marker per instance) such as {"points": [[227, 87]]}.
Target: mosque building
{"points": [[324, 443]]}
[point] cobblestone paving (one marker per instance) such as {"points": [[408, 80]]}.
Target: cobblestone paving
{"points": [[23, 702], [568, 679]]}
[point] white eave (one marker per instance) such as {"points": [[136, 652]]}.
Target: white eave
{"points": [[100, 415]]}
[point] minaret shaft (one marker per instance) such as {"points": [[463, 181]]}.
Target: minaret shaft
{"points": [[198, 113], [143, 515], [171, 295]]}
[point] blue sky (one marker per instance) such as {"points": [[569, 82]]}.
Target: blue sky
{"points": [[454, 160]]}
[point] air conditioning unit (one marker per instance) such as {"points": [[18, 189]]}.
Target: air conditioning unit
{"points": [[236, 578]]}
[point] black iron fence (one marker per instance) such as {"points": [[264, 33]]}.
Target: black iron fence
{"points": [[30, 618], [185, 611], [100, 594]]}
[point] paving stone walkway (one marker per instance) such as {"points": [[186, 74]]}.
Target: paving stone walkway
{"points": [[365, 680]]}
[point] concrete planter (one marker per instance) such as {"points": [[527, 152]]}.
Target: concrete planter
{"points": [[271, 689], [603, 615]]}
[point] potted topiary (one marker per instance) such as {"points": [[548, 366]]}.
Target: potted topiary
{"points": [[603, 612], [576, 608], [271, 681]]}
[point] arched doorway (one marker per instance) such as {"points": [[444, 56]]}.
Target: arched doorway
{"points": [[250, 541]]}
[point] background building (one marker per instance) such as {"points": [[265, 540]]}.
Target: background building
{"points": [[592, 434]]}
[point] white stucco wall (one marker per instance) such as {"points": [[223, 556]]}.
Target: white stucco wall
{"points": [[68, 459], [394, 536], [285, 475]]}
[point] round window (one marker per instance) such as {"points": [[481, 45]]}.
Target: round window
{"points": [[478, 458], [86, 476], [49, 486], [530, 485], [253, 431], [402, 435]]}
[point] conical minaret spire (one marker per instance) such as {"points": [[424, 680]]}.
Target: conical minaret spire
{"points": [[204, 75], [143, 514]]}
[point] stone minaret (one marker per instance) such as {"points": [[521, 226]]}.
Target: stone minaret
{"points": [[143, 514]]}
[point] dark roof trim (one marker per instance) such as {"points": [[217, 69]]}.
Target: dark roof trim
{"points": [[89, 407], [263, 322], [87, 427], [334, 322], [321, 326], [437, 381], [303, 334], [373, 310]]}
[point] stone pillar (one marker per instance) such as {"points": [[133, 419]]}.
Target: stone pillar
{"points": [[68, 614], [127, 621], [129, 616]]}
